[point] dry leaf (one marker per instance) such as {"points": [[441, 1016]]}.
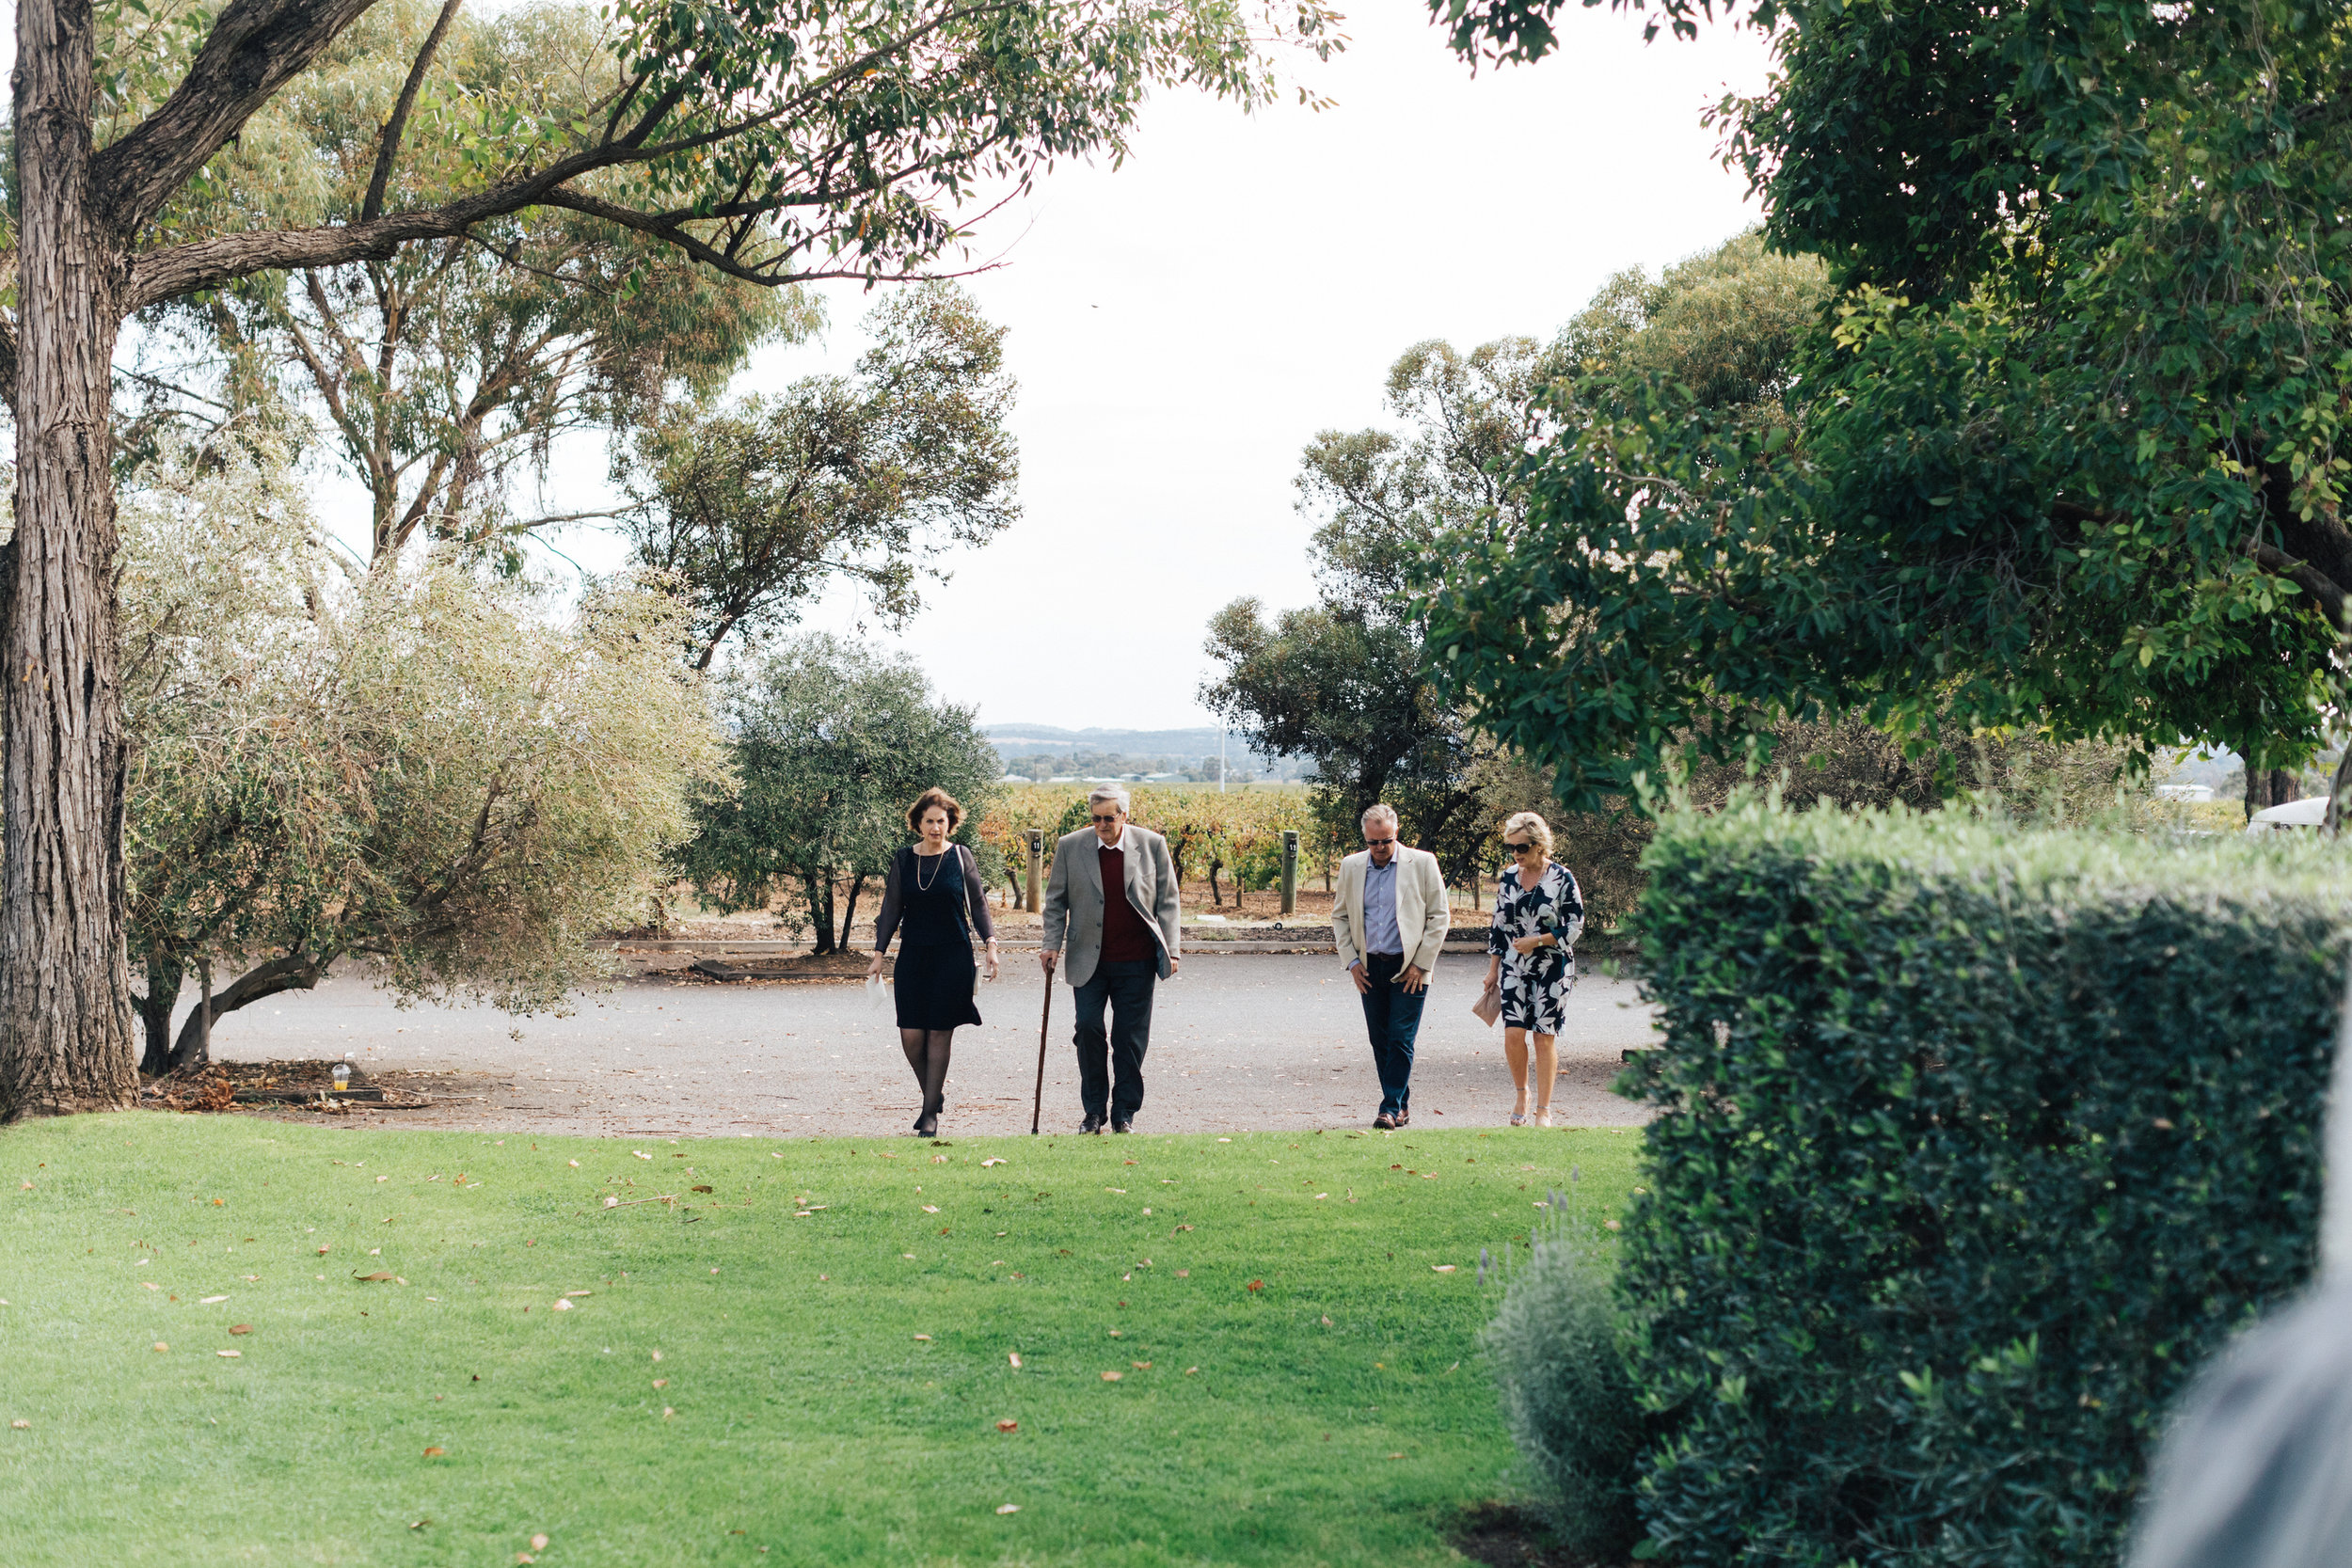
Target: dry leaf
{"points": [[1015, 1358], [1326, 1323], [370, 1278], [240, 1328], [925, 1338], [1396, 1456], [1189, 1370], [1441, 1268], [641, 1154], [160, 1345], [1008, 1426], [698, 1188], [563, 1305], [986, 1163], [611, 1202], [232, 1354], [147, 1286], [538, 1543], [575, 1164], [21, 1426], [1140, 1366], [1008, 1508], [1256, 1285], [577, 1294], [661, 1383], [209, 1300], [1111, 1377], [667, 1411], [435, 1453], [930, 1207]]}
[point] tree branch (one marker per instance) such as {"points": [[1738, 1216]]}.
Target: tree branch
{"points": [[388, 146], [2310, 578], [255, 48]]}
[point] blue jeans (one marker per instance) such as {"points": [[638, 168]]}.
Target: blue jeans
{"points": [[1392, 1018], [1125, 987]]}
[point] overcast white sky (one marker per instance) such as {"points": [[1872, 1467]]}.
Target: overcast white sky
{"points": [[1181, 326]]}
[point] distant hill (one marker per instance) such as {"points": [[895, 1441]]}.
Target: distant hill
{"points": [[1118, 753]]}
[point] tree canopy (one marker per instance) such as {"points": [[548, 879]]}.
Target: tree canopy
{"points": [[833, 741], [414, 767], [752, 509], [2062, 457]]}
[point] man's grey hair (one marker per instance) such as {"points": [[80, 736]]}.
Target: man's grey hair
{"points": [[1380, 812], [1101, 792]]}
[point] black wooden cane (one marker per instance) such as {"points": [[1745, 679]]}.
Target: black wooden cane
{"points": [[1037, 1109]]}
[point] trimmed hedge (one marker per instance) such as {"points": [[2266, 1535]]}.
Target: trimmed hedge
{"points": [[1974, 1144]]}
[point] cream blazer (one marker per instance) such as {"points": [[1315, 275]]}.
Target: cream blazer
{"points": [[1421, 914]]}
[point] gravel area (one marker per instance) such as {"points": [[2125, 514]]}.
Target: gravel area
{"points": [[1238, 1042]]}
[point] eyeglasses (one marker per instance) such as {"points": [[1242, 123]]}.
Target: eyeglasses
{"points": [[1519, 846], [1376, 843], [1099, 817]]}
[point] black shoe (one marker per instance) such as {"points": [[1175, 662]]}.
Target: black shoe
{"points": [[1122, 1126], [1385, 1122], [1091, 1124], [926, 1127]]}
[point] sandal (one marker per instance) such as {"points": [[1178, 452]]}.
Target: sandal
{"points": [[1543, 1117], [1518, 1119]]}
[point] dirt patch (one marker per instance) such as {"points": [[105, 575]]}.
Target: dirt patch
{"points": [[306, 1087], [1504, 1535]]}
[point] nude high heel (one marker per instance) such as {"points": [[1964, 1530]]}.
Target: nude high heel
{"points": [[1543, 1117]]}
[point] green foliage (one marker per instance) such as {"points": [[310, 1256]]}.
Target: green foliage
{"points": [[1333, 1416], [1342, 681], [1972, 1145], [754, 509], [833, 741], [2067, 455], [406, 763], [1558, 1347]]}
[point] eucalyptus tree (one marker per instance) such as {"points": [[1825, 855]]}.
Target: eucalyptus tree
{"points": [[752, 509], [772, 141], [2066, 456]]}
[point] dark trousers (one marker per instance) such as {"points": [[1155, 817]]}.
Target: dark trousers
{"points": [[1125, 988], [1392, 1018]]}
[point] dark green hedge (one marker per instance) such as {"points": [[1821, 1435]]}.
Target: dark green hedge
{"points": [[1974, 1143]]}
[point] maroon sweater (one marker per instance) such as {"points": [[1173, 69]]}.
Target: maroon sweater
{"points": [[1126, 938]]}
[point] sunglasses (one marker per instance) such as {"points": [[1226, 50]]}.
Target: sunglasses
{"points": [[1376, 843], [1519, 846], [1099, 817]]}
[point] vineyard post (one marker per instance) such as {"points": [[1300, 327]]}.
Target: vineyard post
{"points": [[1037, 865], [1290, 870]]}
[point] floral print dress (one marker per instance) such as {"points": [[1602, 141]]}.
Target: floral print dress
{"points": [[1535, 985]]}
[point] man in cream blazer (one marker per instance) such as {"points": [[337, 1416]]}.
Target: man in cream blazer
{"points": [[1121, 947], [1389, 918]]}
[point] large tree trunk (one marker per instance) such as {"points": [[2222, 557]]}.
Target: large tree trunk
{"points": [[164, 975], [65, 989]]}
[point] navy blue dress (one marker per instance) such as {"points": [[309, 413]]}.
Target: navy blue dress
{"points": [[926, 900]]}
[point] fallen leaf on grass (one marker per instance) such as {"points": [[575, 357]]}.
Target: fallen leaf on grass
{"points": [[641, 1154], [160, 1345], [930, 1207], [1184, 1273], [667, 1411], [1008, 1426], [1180, 1227], [1441, 1268], [611, 1202], [539, 1542], [209, 1300], [1008, 1508], [21, 1426], [1189, 1370], [232, 1354], [145, 1286], [698, 1188], [435, 1453], [992, 1162], [1326, 1323], [661, 1383], [1140, 1366], [1015, 1358], [577, 1294], [925, 1338], [1111, 1377], [240, 1328], [1396, 1456], [371, 1278], [561, 1306], [1256, 1285]]}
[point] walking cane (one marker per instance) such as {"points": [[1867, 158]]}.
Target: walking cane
{"points": [[1036, 1108]]}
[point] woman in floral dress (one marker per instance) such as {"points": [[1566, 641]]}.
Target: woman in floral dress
{"points": [[1538, 914]]}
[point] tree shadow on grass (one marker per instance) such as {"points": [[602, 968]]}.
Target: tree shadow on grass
{"points": [[1506, 1535]]}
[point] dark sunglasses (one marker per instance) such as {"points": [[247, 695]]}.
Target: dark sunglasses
{"points": [[1376, 843], [1519, 846], [1099, 817]]}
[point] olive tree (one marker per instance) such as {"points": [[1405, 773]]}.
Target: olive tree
{"points": [[405, 765]]}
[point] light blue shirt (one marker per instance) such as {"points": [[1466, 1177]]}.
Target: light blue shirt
{"points": [[1380, 932]]}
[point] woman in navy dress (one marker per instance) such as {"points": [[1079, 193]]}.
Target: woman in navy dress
{"points": [[1540, 914], [933, 899]]}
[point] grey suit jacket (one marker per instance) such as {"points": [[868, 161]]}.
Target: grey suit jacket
{"points": [[1073, 899]]}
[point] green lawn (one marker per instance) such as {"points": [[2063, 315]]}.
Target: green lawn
{"points": [[741, 1382]]}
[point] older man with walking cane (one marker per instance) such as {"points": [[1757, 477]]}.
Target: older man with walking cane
{"points": [[1113, 898], [1389, 917]]}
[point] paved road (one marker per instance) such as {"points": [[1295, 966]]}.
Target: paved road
{"points": [[1238, 1041]]}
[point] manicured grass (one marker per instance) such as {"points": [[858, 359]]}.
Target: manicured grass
{"points": [[1340, 1414]]}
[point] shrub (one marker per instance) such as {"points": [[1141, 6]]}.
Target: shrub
{"points": [[1558, 1350], [1972, 1145]]}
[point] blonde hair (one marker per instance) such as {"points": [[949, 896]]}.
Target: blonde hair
{"points": [[1534, 825]]}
